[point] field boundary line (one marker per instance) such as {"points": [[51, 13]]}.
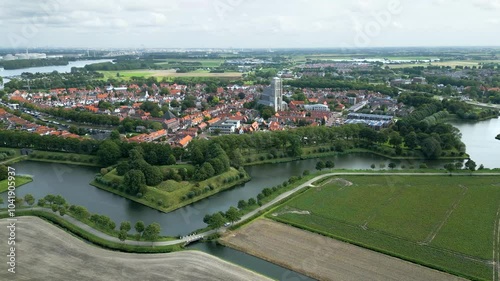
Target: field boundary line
{"points": [[375, 211], [496, 247], [438, 227]]}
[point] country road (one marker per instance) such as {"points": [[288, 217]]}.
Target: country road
{"points": [[282, 196]]}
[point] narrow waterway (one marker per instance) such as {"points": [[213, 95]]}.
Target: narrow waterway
{"points": [[253, 263]]}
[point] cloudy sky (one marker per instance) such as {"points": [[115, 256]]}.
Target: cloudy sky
{"points": [[248, 23]]}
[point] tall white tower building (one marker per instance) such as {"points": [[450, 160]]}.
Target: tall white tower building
{"points": [[273, 95]]}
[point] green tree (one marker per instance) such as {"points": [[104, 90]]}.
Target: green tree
{"points": [[29, 199], [153, 175], [411, 140], [329, 164], [134, 182], [395, 139], [267, 113], [122, 168], [115, 135], [152, 231], [81, 212], [171, 160], [449, 167], [233, 214], [125, 225], [252, 202], [242, 204], [3, 172], [471, 165], [122, 235], [54, 208], [206, 171], [320, 165], [372, 166], [431, 148], [392, 165], [217, 221], [62, 211], [139, 226], [109, 152], [59, 200], [49, 198], [41, 202]]}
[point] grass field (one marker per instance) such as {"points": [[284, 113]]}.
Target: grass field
{"points": [[20, 180], [442, 222]]}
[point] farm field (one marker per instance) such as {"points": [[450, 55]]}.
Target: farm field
{"points": [[323, 258], [46, 252], [447, 223]]}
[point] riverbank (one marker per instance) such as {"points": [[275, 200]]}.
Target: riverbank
{"points": [[97, 237], [156, 194], [49, 253], [20, 181], [64, 158], [346, 152]]}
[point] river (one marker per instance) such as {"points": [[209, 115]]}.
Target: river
{"points": [[48, 69], [479, 138]]}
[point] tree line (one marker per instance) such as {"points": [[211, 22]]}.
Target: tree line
{"points": [[26, 63], [324, 82]]}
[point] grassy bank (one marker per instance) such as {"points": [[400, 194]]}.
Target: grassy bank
{"points": [[20, 181], [172, 195], [440, 222], [81, 233], [64, 158], [310, 154]]}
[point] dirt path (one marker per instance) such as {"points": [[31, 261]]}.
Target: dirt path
{"points": [[45, 252], [324, 258]]}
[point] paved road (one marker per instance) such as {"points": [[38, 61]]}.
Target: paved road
{"points": [[489, 105], [13, 159], [282, 196]]}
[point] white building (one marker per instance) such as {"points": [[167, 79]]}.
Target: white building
{"points": [[225, 127], [316, 107]]}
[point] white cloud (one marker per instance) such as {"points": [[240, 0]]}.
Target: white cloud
{"points": [[246, 23], [488, 4]]}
